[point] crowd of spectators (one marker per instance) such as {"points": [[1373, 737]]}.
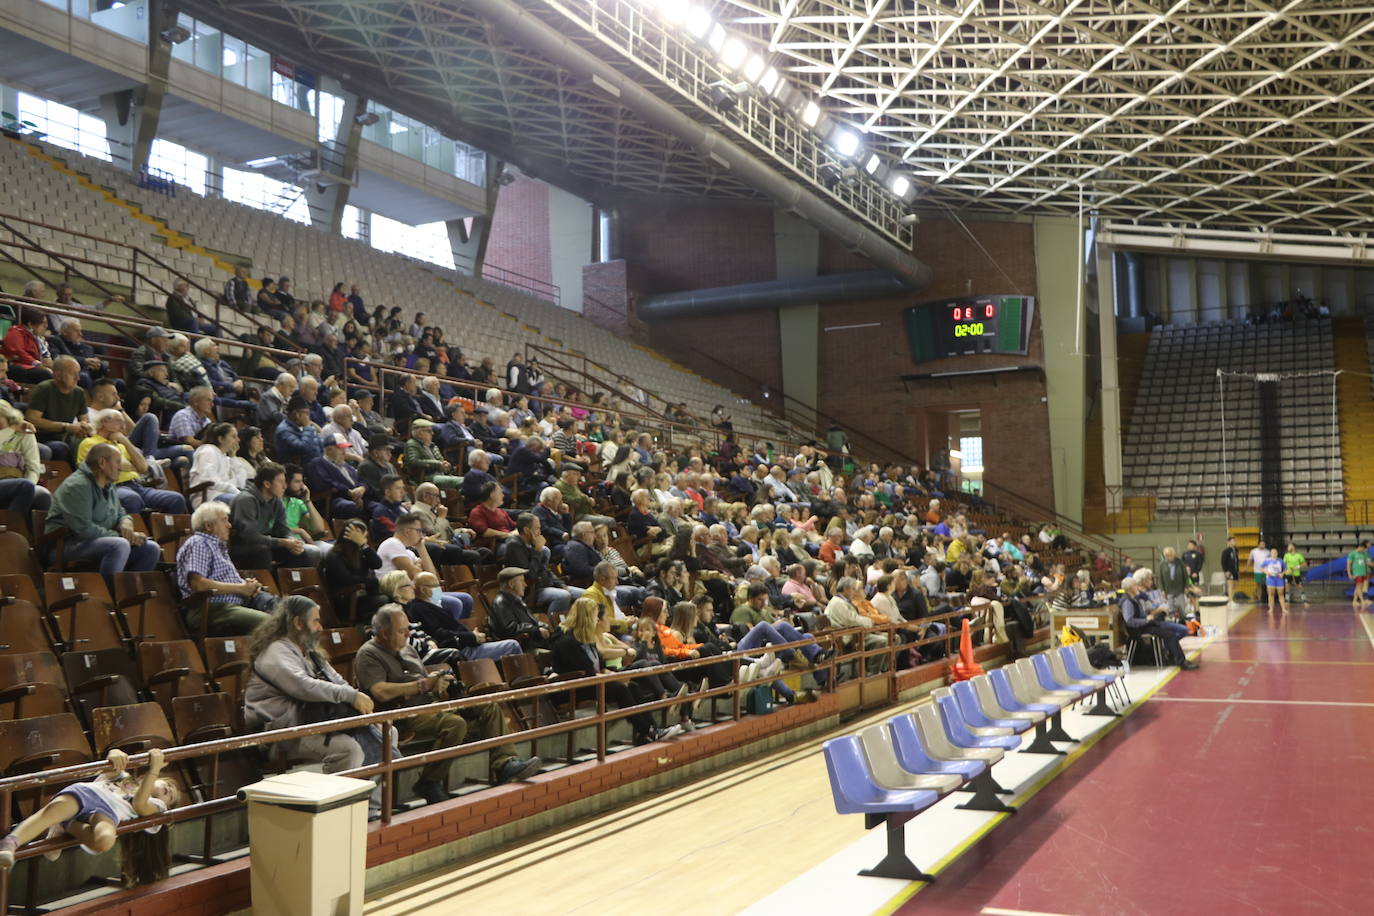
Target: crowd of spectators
{"points": [[608, 547]]}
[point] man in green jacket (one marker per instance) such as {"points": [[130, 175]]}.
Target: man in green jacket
{"points": [[423, 460], [87, 505], [579, 503]]}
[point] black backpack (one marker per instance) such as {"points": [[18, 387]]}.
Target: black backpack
{"points": [[1100, 655]]}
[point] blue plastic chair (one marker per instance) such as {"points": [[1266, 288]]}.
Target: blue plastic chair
{"points": [[1071, 664], [1002, 687], [956, 729], [967, 696], [913, 757], [856, 792], [1045, 676]]}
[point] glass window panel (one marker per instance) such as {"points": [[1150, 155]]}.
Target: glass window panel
{"points": [[234, 60]]}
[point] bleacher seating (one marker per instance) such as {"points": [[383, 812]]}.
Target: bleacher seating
{"points": [[493, 319], [1174, 446]]}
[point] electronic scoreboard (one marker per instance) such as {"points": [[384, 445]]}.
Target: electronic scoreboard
{"points": [[970, 324]]}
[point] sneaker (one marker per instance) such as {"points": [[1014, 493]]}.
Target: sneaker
{"points": [[772, 669], [1189, 666], [687, 725], [431, 791], [663, 734], [518, 768]]}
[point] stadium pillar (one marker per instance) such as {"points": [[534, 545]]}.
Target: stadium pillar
{"points": [[1110, 400], [326, 194], [1061, 324], [131, 115], [469, 240], [797, 253]]}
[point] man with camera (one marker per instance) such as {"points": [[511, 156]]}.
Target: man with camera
{"points": [[390, 671]]}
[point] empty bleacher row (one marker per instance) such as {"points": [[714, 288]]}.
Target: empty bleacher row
{"points": [[490, 319], [1193, 442]]}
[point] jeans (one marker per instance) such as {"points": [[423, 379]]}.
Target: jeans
{"points": [[145, 437], [16, 494], [136, 498], [459, 604], [57, 450], [558, 600], [775, 634], [494, 649], [628, 596], [1168, 633], [115, 554]]}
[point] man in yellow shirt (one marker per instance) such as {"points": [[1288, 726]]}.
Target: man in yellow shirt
{"points": [[112, 428]]}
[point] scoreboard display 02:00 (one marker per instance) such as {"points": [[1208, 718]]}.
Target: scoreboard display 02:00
{"points": [[969, 325]]}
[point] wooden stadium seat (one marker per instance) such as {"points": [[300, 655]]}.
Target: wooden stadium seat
{"points": [[31, 684], [204, 717], [134, 728], [339, 645], [83, 611], [169, 531], [481, 676], [101, 677], [23, 628], [22, 586], [16, 556], [265, 577], [42, 743], [227, 660], [150, 606], [172, 669]]}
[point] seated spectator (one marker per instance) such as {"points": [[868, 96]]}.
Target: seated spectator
{"points": [[287, 673], [186, 371], [203, 564], [406, 550], [510, 617], [378, 466], [386, 511], [182, 311], [477, 477], [166, 397], [272, 405], [430, 399], [554, 522], [401, 404], [261, 538], [360, 399], [576, 650], [57, 409], [641, 524], [223, 379], [350, 573], [302, 518], [389, 669], [580, 557], [450, 547], [154, 347], [332, 478], [190, 422], [843, 613], [454, 432], [236, 293], [488, 516], [527, 550], [579, 503], [110, 429], [214, 463], [531, 465], [341, 423], [1141, 623], [424, 461], [423, 606], [69, 342], [24, 346], [87, 505], [19, 465], [310, 391], [269, 302], [297, 439]]}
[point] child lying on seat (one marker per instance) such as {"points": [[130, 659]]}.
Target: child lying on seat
{"points": [[90, 812]]}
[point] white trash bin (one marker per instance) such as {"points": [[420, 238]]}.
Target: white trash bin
{"points": [[307, 835], [1213, 611]]}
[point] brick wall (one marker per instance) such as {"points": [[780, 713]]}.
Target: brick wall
{"points": [[680, 246], [520, 230]]}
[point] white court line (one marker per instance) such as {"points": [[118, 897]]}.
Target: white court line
{"points": [[1160, 699], [1368, 627]]}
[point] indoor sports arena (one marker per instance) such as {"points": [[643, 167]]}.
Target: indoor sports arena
{"points": [[699, 457]]}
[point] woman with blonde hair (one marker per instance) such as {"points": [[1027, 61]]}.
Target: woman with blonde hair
{"points": [[20, 466]]}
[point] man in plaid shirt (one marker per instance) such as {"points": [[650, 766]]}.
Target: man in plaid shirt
{"points": [[203, 563]]}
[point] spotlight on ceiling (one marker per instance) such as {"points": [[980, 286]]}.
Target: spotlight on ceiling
{"points": [[811, 113], [723, 95], [900, 186], [845, 141], [830, 176]]}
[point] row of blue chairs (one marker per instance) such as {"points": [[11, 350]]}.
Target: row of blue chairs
{"points": [[892, 771]]}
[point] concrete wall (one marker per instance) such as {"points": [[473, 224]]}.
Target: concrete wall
{"points": [[1056, 257]]}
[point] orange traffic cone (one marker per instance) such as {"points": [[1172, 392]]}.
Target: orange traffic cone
{"points": [[965, 668]]}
